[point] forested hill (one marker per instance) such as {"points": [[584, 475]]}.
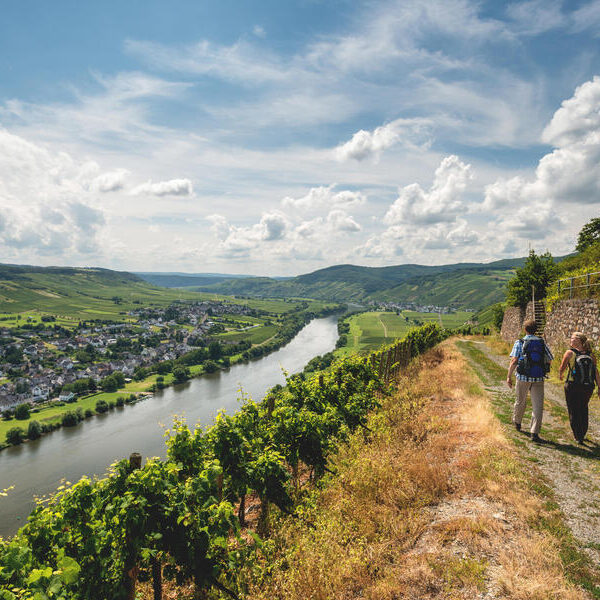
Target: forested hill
{"points": [[472, 285]]}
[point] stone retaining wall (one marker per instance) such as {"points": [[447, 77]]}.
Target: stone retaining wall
{"points": [[573, 315], [512, 324], [567, 316]]}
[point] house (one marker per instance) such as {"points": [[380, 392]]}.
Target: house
{"points": [[39, 392], [66, 397]]}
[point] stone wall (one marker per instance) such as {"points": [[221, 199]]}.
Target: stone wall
{"points": [[567, 316], [512, 323], [573, 315]]}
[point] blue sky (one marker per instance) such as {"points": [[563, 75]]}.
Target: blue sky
{"points": [[280, 137]]}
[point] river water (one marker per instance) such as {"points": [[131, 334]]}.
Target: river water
{"points": [[37, 468]]}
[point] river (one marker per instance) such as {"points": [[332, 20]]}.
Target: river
{"points": [[37, 468]]}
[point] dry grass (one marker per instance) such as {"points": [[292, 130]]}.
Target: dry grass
{"points": [[436, 505], [498, 345]]}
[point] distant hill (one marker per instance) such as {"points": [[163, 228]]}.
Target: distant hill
{"points": [[83, 293], [470, 285]]}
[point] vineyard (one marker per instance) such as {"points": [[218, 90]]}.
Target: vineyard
{"points": [[184, 518]]}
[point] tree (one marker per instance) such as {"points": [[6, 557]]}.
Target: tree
{"points": [[15, 435], [538, 271], [22, 412], [101, 406], [215, 350], [34, 431], [589, 235], [181, 374]]}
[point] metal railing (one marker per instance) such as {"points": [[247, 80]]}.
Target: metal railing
{"points": [[581, 282]]}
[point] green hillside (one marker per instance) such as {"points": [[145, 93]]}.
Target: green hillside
{"points": [[463, 285], [471, 288], [79, 293]]}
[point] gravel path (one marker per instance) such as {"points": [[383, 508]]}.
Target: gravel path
{"points": [[572, 471]]}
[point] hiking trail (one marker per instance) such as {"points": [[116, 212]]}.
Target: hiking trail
{"points": [[570, 470]]}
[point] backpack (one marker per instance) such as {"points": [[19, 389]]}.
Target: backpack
{"points": [[532, 362], [583, 370]]}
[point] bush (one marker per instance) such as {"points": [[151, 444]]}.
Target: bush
{"points": [[181, 374], [70, 418], [120, 401], [210, 366], [88, 413], [34, 431], [22, 412], [101, 406], [15, 435]]}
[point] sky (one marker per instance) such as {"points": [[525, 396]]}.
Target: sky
{"points": [[276, 138]]}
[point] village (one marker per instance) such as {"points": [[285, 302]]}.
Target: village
{"points": [[44, 362]]}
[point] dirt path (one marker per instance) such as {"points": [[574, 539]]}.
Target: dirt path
{"points": [[570, 470], [384, 327]]}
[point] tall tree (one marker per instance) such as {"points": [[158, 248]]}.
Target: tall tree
{"points": [[538, 271], [589, 234]]}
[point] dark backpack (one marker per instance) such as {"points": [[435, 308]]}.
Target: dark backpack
{"points": [[532, 362], [583, 370]]}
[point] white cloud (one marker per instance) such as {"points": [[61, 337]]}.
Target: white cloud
{"points": [[45, 201], [366, 144], [173, 187], [324, 197], [339, 220], [112, 181], [274, 226], [443, 202], [571, 172]]}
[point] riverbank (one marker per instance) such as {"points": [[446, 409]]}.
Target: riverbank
{"points": [[52, 417]]}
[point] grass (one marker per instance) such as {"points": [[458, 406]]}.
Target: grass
{"points": [[370, 330], [53, 414]]}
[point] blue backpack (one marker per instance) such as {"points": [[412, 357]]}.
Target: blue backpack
{"points": [[533, 358]]}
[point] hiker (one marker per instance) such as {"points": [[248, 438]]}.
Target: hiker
{"points": [[531, 359], [582, 375]]}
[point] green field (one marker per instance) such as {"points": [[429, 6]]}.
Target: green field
{"points": [[372, 329]]}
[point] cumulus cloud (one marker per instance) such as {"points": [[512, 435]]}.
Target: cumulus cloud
{"points": [[366, 144], [571, 172], [111, 181], [324, 197], [235, 241], [443, 202], [173, 187], [339, 220], [45, 201]]}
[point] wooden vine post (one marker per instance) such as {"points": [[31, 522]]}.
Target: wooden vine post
{"points": [[131, 565]]}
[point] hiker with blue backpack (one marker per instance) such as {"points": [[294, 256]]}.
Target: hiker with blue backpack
{"points": [[531, 358], [582, 376]]}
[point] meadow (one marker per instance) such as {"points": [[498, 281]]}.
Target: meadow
{"points": [[371, 329]]}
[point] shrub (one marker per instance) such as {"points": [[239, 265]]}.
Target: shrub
{"points": [[89, 413], [101, 406], [210, 366], [34, 431], [120, 401], [22, 412], [15, 435], [70, 418]]}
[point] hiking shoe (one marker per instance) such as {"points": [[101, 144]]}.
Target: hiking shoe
{"points": [[517, 426], [536, 438]]}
